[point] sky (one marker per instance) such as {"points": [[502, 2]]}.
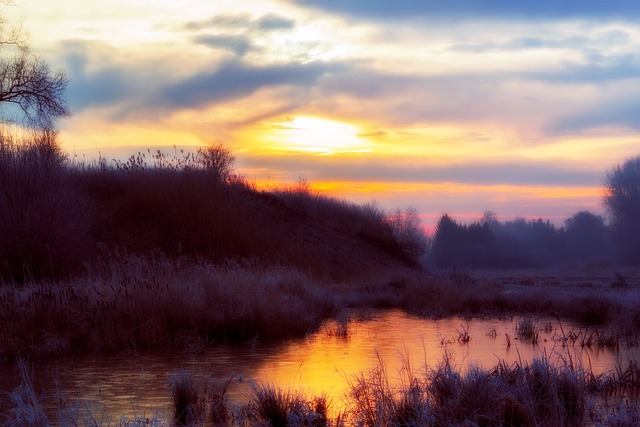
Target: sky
{"points": [[455, 107]]}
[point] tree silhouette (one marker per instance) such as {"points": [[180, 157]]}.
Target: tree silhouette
{"points": [[622, 200], [28, 83], [446, 242], [586, 235], [217, 160], [407, 232]]}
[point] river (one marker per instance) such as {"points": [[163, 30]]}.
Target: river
{"points": [[323, 362]]}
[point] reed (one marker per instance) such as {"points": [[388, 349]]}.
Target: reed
{"points": [[26, 405], [188, 399], [282, 407], [142, 304], [218, 402], [544, 391], [135, 302], [527, 330]]}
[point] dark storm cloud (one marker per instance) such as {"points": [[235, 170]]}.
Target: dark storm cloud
{"points": [[454, 10], [235, 80]]}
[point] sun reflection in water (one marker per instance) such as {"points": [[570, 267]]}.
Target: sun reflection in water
{"points": [[324, 363]]}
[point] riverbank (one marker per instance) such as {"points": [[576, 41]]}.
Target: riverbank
{"points": [[145, 303]]}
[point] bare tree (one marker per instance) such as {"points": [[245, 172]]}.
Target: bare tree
{"points": [[407, 231], [27, 82], [217, 160]]}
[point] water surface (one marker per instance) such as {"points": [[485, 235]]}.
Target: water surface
{"points": [[324, 362]]}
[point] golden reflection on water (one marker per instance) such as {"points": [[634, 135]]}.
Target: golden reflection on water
{"points": [[326, 362], [323, 363]]}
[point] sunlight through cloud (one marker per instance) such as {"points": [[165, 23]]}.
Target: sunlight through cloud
{"points": [[315, 135]]}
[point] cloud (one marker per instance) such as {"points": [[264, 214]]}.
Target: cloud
{"points": [[598, 69], [273, 22], [240, 45], [265, 23], [623, 111], [236, 79], [235, 32], [126, 90], [577, 42], [501, 171], [456, 10], [567, 97], [90, 87]]}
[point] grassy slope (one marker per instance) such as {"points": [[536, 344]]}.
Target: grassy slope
{"points": [[57, 218], [192, 215]]}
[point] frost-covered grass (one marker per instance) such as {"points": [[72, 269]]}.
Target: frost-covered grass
{"points": [[144, 303], [542, 392]]}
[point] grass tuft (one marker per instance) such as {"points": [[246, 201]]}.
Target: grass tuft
{"points": [[527, 330], [281, 407], [188, 399]]}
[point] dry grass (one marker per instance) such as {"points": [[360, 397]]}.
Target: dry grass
{"points": [[26, 405], [188, 399], [530, 394], [148, 304], [527, 330], [282, 407], [543, 392], [131, 302], [196, 401]]}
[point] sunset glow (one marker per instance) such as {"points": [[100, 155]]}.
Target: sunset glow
{"points": [[418, 104], [322, 136]]}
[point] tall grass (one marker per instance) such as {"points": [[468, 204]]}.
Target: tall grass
{"points": [[44, 219], [27, 409], [543, 392], [136, 302], [188, 399], [529, 394], [142, 304]]}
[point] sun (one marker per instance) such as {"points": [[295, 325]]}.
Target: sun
{"points": [[317, 135]]}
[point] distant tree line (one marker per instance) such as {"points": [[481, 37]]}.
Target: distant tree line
{"points": [[585, 237], [520, 243]]}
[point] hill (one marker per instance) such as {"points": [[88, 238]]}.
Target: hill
{"points": [[59, 217]]}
